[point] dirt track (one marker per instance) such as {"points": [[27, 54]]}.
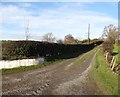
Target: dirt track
{"points": [[65, 78]]}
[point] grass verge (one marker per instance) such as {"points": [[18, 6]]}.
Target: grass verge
{"points": [[106, 80], [85, 56]]}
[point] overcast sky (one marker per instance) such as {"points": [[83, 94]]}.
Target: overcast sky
{"points": [[59, 18]]}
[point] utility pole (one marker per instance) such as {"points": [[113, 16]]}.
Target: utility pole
{"points": [[88, 33]]}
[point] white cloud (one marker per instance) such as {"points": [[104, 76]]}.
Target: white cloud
{"points": [[60, 0], [13, 14], [60, 21]]}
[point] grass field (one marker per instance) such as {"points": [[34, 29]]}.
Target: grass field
{"points": [[104, 77]]}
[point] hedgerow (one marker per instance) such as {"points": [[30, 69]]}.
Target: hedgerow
{"points": [[32, 49]]}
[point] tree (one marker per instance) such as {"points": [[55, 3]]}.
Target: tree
{"points": [[49, 37], [69, 39], [77, 41], [110, 33], [85, 41], [60, 41]]}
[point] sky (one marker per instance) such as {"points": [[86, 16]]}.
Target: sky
{"points": [[60, 18]]}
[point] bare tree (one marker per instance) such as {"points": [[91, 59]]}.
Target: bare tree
{"points": [[77, 41], [110, 33], [49, 37]]}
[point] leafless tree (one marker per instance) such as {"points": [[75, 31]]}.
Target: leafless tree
{"points": [[49, 37], [110, 33]]}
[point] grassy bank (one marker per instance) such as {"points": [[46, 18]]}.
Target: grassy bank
{"points": [[106, 80], [115, 52]]}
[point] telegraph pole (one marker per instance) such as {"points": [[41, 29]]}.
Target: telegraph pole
{"points": [[88, 33]]}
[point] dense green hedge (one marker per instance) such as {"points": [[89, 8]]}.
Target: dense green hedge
{"points": [[30, 49]]}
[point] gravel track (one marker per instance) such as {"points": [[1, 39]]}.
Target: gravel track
{"points": [[64, 78]]}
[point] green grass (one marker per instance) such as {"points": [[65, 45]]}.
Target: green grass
{"points": [[106, 80], [85, 56], [26, 68], [115, 50]]}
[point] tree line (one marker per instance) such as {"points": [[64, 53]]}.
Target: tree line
{"points": [[68, 39]]}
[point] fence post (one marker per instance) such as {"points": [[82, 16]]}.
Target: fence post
{"points": [[114, 64], [106, 57], [111, 64]]}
